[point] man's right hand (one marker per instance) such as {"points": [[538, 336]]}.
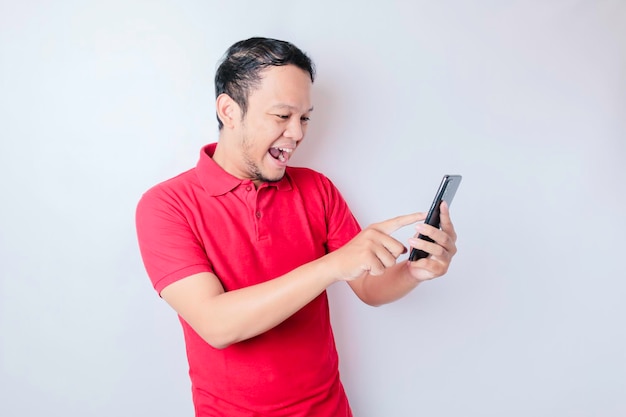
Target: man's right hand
{"points": [[372, 251]]}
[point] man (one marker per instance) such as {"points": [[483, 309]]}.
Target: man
{"points": [[243, 248]]}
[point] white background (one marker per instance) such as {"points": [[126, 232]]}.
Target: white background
{"points": [[526, 99]]}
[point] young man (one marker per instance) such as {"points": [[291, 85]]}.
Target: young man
{"points": [[243, 248]]}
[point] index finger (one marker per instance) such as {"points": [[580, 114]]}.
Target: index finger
{"points": [[391, 225]]}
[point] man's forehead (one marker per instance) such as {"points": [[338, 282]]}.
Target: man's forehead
{"points": [[284, 88]]}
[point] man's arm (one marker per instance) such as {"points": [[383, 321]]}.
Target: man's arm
{"points": [[223, 318], [398, 280]]}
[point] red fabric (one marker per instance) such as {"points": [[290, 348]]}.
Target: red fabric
{"points": [[207, 220]]}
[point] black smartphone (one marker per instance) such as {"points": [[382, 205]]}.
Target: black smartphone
{"points": [[446, 191]]}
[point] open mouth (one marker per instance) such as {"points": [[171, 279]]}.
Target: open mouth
{"points": [[282, 154]]}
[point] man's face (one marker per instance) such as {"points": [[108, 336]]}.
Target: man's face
{"points": [[275, 123]]}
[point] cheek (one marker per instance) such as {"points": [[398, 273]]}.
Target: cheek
{"points": [[271, 132], [263, 134]]}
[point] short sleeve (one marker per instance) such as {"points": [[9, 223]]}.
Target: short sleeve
{"points": [[169, 248], [342, 226]]}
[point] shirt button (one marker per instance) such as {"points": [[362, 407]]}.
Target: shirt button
{"points": [[248, 188], [258, 214]]}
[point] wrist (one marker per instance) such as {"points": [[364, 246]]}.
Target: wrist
{"points": [[325, 270]]}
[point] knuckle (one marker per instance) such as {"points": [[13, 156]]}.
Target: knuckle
{"points": [[437, 251], [377, 269], [370, 233]]}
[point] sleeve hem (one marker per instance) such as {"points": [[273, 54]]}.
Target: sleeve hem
{"points": [[182, 273]]}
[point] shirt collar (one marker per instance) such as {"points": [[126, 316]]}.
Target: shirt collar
{"points": [[216, 181]]}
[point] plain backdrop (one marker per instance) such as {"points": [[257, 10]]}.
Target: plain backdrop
{"points": [[526, 99]]}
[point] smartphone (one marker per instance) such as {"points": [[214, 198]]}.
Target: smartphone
{"points": [[446, 191]]}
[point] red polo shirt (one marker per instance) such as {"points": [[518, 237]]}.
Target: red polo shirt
{"points": [[207, 220]]}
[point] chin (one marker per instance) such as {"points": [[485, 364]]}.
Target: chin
{"points": [[272, 178]]}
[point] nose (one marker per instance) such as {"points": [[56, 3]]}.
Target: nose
{"points": [[295, 129]]}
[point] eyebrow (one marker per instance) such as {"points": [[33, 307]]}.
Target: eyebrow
{"points": [[290, 107]]}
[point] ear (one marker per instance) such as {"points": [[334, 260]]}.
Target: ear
{"points": [[227, 110]]}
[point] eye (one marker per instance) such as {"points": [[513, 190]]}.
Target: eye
{"points": [[282, 116], [305, 119]]}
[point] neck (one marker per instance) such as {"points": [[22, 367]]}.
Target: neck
{"points": [[227, 157]]}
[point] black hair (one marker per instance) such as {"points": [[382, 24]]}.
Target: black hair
{"points": [[240, 69]]}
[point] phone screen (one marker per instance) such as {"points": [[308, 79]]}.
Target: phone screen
{"points": [[447, 189]]}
